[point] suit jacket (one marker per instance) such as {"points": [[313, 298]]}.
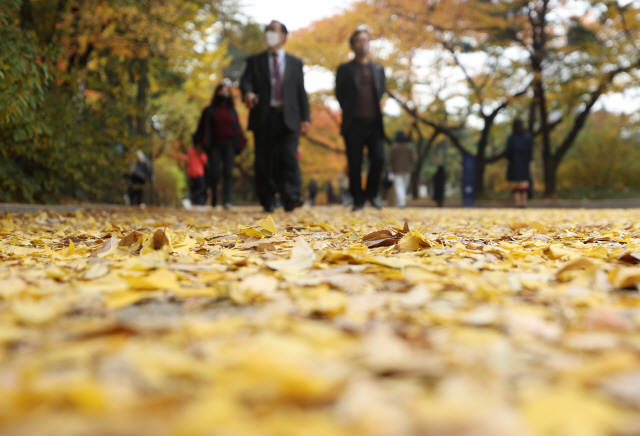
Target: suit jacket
{"points": [[347, 90], [257, 79]]}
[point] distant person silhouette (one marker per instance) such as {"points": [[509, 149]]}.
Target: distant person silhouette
{"points": [[439, 183], [401, 157], [140, 172], [519, 152], [196, 160], [313, 191], [342, 180]]}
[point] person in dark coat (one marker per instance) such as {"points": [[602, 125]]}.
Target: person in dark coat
{"points": [[439, 182], [220, 135], [360, 85], [519, 152], [273, 89], [140, 172], [331, 196], [313, 191]]}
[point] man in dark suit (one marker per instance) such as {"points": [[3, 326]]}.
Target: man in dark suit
{"points": [[359, 88], [273, 89]]}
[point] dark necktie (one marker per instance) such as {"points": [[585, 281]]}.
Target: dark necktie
{"points": [[277, 90]]}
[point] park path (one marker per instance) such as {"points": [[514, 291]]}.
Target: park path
{"points": [[628, 203], [417, 321]]}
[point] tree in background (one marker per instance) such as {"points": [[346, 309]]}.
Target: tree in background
{"points": [[92, 75], [430, 94], [606, 155], [322, 156], [577, 52], [453, 62]]}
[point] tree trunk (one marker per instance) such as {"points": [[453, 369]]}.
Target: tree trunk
{"points": [[481, 164], [141, 99], [547, 156], [26, 15], [424, 147], [481, 159], [550, 177]]}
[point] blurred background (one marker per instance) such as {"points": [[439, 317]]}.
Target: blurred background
{"points": [[86, 83]]}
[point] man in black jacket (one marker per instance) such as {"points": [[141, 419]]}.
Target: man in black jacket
{"points": [[273, 89], [359, 88]]}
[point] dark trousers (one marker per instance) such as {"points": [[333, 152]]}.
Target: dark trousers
{"points": [[198, 190], [359, 135], [276, 161], [221, 160], [136, 190]]}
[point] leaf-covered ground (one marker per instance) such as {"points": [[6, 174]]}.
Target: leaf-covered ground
{"points": [[320, 322]]}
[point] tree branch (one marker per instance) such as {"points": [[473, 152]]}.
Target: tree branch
{"points": [[439, 128], [26, 15], [322, 144], [582, 117], [56, 19], [472, 83]]}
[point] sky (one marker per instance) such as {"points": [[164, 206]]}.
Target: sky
{"points": [[295, 14]]}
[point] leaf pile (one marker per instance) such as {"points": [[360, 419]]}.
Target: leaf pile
{"points": [[164, 322]]}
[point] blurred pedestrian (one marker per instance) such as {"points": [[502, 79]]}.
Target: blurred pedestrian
{"points": [[439, 183], [313, 191], [196, 159], [519, 152], [401, 157], [220, 135], [331, 196], [140, 172], [360, 85], [273, 89], [342, 180]]}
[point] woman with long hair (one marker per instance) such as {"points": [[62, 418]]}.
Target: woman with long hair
{"points": [[221, 136]]}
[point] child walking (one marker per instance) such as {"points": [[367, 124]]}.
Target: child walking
{"points": [[196, 160]]}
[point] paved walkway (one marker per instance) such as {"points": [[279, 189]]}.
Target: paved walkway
{"points": [[34, 208], [545, 203], [540, 203], [629, 203]]}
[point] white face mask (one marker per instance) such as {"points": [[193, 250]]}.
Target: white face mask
{"points": [[272, 38]]}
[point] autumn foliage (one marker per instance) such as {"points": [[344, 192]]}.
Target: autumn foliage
{"points": [[321, 321]]}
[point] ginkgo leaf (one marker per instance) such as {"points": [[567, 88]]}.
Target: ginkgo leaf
{"points": [[268, 225], [158, 279], [130, 239], [338, 324], [302, 258], [162, 239]]}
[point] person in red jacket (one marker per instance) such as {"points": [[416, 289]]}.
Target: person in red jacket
{"points": [[221, 136], [196, 160]]}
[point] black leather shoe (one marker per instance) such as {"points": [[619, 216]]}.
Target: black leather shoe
{"points": [[357, 207], [290, 205], [375, 202]]}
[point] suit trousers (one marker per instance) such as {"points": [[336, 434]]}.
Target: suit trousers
{"points": [[359, 135], [221, 160], [276, 161]]}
